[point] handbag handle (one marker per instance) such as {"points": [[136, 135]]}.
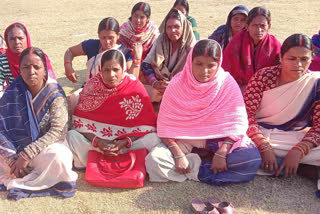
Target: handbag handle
{"points": [[118, 172]]}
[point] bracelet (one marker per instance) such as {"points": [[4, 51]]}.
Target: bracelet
{"points": [[227, 142], [136, 65], [264, 147], [301, 150], [154, 83], [178, 156], [173, 145], [220, 155], [129, 144], [137, 61], [67, 62], [24, 156], [94, 143], [258, 137]]}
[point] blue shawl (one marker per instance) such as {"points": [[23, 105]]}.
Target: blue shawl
{"points": [[20, 116]]}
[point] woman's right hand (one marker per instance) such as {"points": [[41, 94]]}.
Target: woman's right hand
{"points": [[269, 162], [182, 165], [106, 147], [160, 86], [70, 73]]}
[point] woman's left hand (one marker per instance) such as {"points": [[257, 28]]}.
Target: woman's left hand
{"points": [[20, 167], [219, 164], [118, 145], [290, 163]]}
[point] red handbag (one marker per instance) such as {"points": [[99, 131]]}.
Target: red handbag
{"points": [[122, 171]]}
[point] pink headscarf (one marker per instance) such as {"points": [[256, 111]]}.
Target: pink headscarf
{"points": [[211, 110], [13, 58]]}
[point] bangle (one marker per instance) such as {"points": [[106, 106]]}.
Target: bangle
{"points": [[263, 147], [173, 145], [129, 144], [220, 155], [24, 156], [154, 82], [300, 149], [136, 65], [137, 61], [67, 62], [227, 142], [94, 142], [178, 156]]}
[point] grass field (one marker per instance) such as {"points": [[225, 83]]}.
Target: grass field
{"points": [[55, 25]]}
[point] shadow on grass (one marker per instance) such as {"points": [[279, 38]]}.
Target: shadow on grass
{"points": [[264, 194]]}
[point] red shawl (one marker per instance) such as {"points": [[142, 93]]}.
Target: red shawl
{"points": [[111, 113], [242, 61], [13, 58]]}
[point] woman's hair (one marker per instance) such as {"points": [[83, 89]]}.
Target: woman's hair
{"points": [[109, 23], [144, 7], [36, 51], [259, 11], [296, 40], [183, 3], [112, 55], [13, 26], [172, 14], [207, 47]]}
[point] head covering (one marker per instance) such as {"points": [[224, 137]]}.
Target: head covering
{"points": [[146, 36], [13, 58], [161, 59], [316, 40], [242, 59], [223, 33], [194, 110], [111, 113]]}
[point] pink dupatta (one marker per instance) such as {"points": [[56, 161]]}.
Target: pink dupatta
{"points": [[13, 58], [241, 59], [211, 110]]}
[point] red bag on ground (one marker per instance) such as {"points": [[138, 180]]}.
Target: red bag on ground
{"points": [[122, 171]]}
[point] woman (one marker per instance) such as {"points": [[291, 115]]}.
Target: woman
{"points": [[252, 49], [34, 124], [235, 23], [169, 53], [114, 113], [280, 132], [315, 64], [139, 29], [17, 39], [203, 109], [183, 7], [2, 45], [108, 33]]}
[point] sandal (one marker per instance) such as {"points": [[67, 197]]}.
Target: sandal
{"points": [[199, 207], [223, 207]]}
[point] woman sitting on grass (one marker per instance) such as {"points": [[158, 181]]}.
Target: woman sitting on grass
{"points": [[114, 113], [251, 49], [203, 111], [35, 158], [236, 22], [284, 111], [169, 53], [183, 7], [17, 39]]}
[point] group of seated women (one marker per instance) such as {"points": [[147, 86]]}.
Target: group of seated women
{"points": [[231, 106]]}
